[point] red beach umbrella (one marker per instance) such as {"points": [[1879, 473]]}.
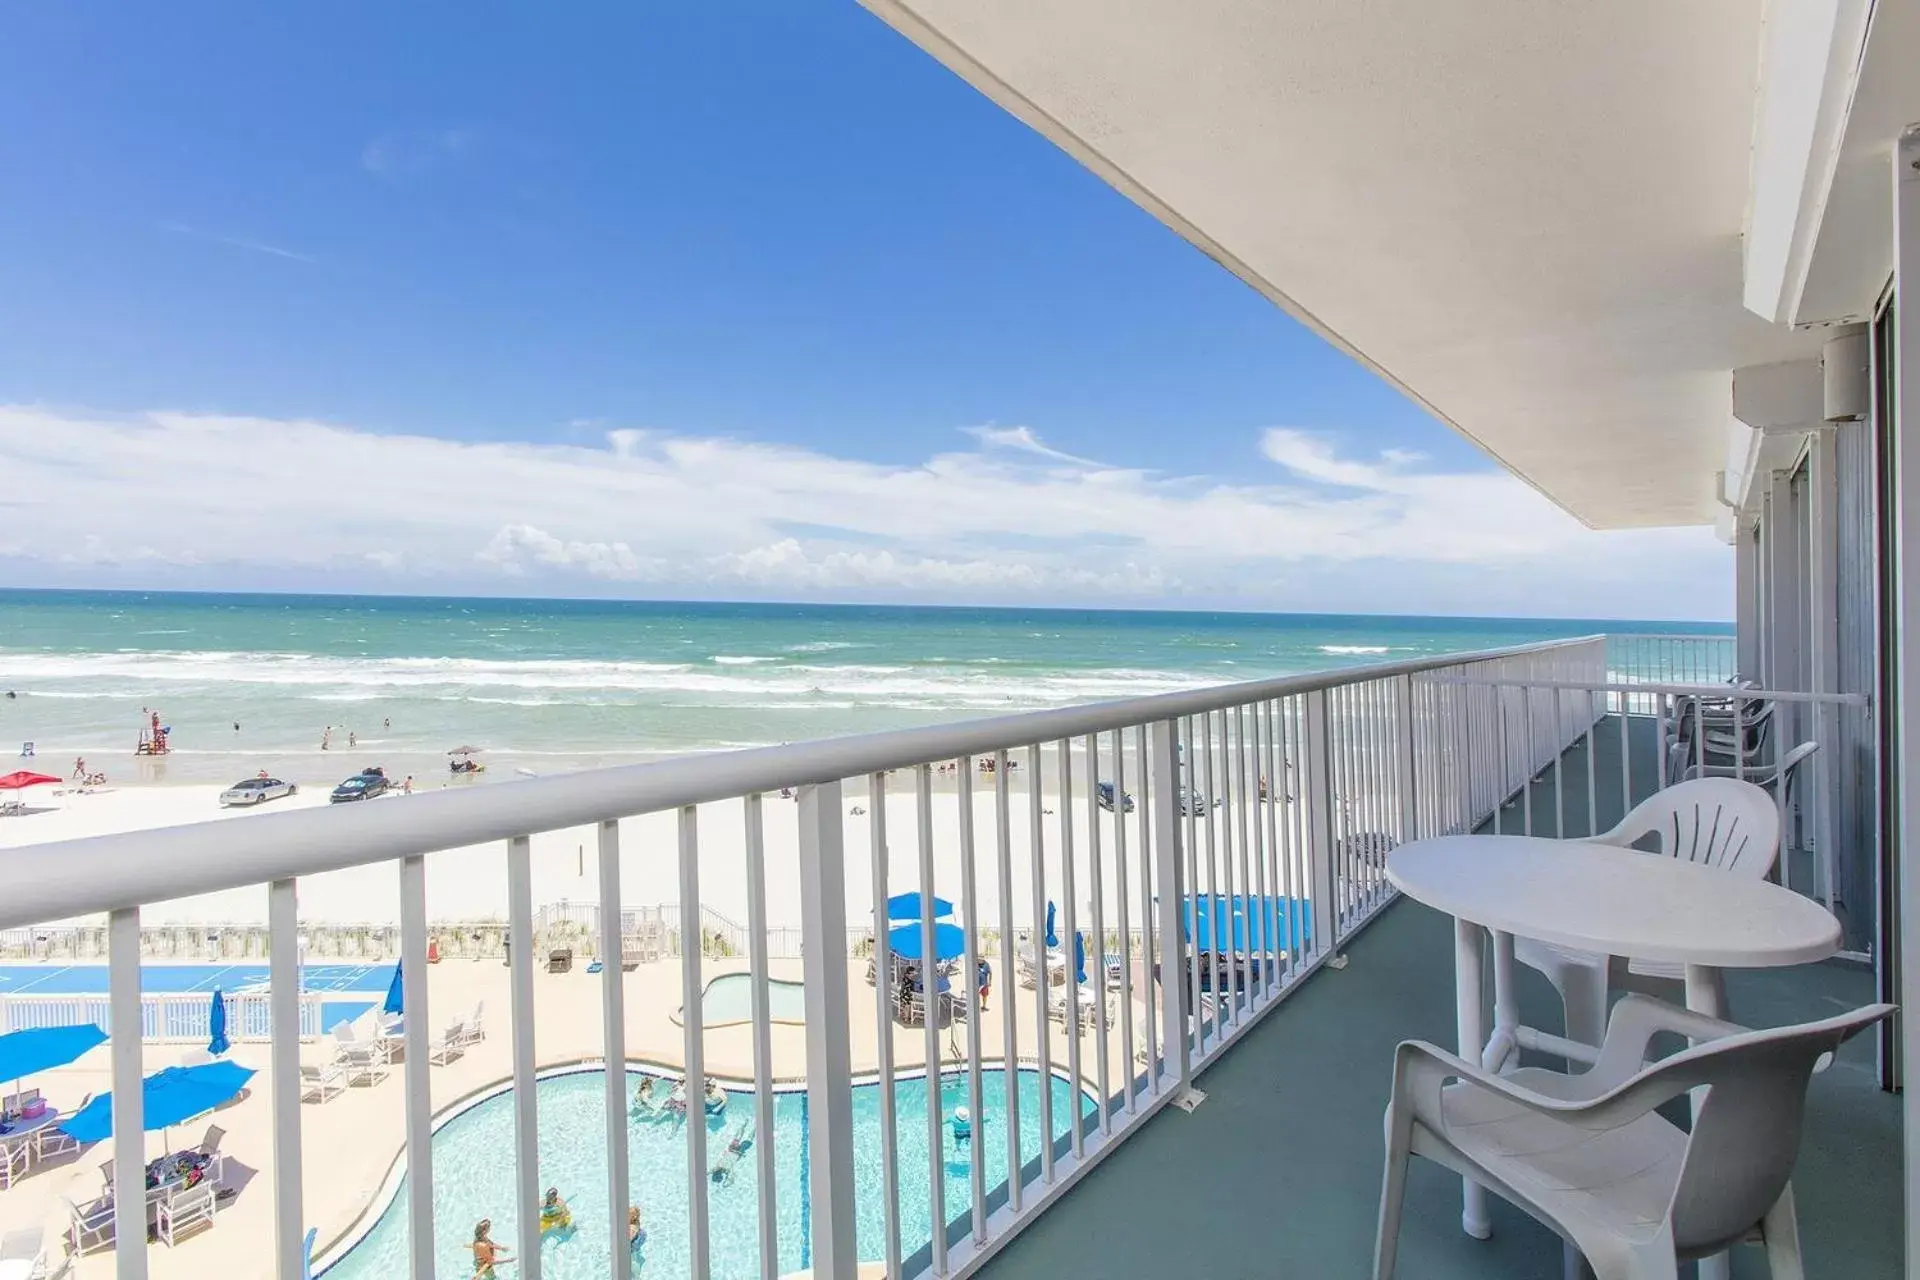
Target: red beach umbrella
{"points": [[23, 779]]}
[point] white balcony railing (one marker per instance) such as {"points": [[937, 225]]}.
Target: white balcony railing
{"points": [[1265, 808]]}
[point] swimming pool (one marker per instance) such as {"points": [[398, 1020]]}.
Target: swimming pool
{"points": [[728, 1000], [369, 981], [473, 1177]]}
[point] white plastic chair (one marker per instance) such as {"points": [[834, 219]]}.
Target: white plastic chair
{"points": [[1718, 822], [181, 1212], [1589, 1156], [321, 1081]]}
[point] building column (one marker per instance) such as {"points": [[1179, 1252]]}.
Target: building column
{"points": [[1746, 597], [1904, 613]]}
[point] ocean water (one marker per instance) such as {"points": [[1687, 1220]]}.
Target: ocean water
{"points": [[549, 685]]}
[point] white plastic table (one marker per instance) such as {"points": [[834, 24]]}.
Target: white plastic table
{"points": [[1594, 898]]}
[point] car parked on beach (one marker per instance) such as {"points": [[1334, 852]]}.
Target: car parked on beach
{"points": [[1194, 802], [255, 790], [364, 785], [1105, 794]]}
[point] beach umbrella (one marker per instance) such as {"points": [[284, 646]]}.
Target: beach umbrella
{"points": [[167, 1098], [1053, 939], [948, 941], [1079, 958], [906, 906], [396, 995], [464, 751], [23, 1053], [21, 779], [217, 1043]]}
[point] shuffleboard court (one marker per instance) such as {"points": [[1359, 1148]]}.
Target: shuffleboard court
{"points": [[91, 979]]}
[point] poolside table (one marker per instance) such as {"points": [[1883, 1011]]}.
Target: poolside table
{"points": [[1601, 899]]}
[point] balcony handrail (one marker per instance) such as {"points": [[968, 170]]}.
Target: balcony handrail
{"points": [[1681, 690], [67, 878]]}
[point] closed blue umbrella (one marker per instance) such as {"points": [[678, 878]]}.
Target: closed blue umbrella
{"points": [[43, 1048], [1053, 939], [1079, 959], [948, 941], [167, 1098], [906, 906], [396, 995], [217, 1043]]}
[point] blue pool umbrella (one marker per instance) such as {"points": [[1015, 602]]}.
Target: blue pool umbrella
{"points": [[906, 906], [43, 1048], [1053, 939], [217, 1043], [948, 941], [1079, 959], [167, 1098], [396, 995]]}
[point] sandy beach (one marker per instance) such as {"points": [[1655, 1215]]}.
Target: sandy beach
{"points": [[469, 884]]}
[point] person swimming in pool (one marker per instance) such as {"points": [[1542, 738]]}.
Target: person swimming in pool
{"points": [[486, 1254], [636, 1234], [554, 1214], [722, 1171]]}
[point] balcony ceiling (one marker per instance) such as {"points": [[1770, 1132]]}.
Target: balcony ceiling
{"points": [[1526, 216]]}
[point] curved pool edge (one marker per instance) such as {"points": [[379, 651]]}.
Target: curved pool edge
{"points": [[330, 1255], [679, 1016]]}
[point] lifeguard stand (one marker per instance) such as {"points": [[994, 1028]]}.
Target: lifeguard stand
{"points": [[153, 742]]}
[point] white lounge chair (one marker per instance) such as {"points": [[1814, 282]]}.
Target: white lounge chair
{"points": [[28, 1245], [319, 1082], [1718, 822], [449, 1045], [1590, 1156], [184, 1212], [362, 1055], [89, 1226], [15, 1156], [473, 1027]]}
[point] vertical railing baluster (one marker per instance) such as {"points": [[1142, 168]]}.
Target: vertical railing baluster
{"points": [[970, 976], [415, 1032], [283, 987], [1072, 948], [1316, 795], [613, 1038], [692, 1022], [1098, 961], [126, 1026], [762, 999], [1148, 1034], [1306, 937], [1211, 792], [1043, 961], [526, 1101], [823, 921], [1164, 801], [1264, 891], [1118, 743], [1246, 812], [885, 995], [1593, 775], [930, 1016], [1009, 983], [1192, 959]]}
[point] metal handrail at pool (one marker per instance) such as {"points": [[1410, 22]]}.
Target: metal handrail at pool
{"points": [[1285, 789]]}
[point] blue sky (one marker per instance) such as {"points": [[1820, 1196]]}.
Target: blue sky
{"points": [[751, 222]]}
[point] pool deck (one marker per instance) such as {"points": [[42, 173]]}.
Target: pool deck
{"points": [[351, 1141]]}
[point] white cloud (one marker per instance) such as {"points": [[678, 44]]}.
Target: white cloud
{"points": [[170, 499], [234, 242], [1023, 440]]}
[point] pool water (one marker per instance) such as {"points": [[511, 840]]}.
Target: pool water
{"points": [[473, 1177], [729, 999]]}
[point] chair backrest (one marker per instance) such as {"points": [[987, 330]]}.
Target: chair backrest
{"points": [[1721, 822], [343, 1032], [22, 1244], [210, 1145], [1746, 1134], [1789, 768]]}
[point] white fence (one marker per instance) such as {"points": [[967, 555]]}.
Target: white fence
{"points": [[1284, 793], [1654, 659], [168, 1016]]}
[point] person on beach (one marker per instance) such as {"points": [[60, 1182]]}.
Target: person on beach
{"points": [[386, 722], [326, 738], [554, 1214], [353, 739], [486, 1254], [984, 977], [79, 769], [406, 788]]}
